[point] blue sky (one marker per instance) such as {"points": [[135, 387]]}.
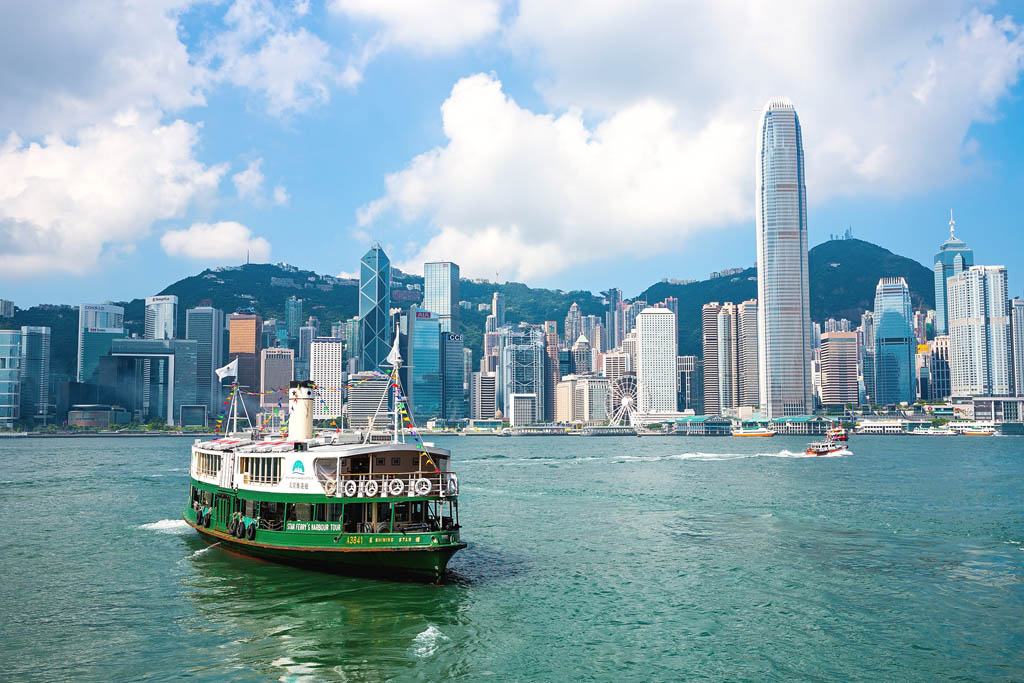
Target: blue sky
{"points": [[570, 145]]}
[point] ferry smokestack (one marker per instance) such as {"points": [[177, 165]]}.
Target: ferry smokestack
{"points": [[300, 408]]}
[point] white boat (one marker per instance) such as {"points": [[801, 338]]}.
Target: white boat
{"points": [[933, 431], [753, 431]]}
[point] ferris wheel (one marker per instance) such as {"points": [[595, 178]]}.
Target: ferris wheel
{"points": [[622, 401]]}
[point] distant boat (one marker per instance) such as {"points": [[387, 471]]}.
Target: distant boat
{"points": [[824, 448], [978, 431], [753, 431], [933, 431]]}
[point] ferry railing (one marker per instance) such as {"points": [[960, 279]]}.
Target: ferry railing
{"points": [[393, 484]]}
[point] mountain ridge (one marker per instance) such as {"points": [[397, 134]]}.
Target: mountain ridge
{"points": [[842, 274]]}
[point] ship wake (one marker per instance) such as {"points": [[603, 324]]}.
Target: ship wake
{"points": [[167, 526]]}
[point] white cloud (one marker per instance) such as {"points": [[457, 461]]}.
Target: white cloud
{"points": [[249, 183], [345, 275], [69, 63], [886, 92], [65, 202], [434, 27], [661, 103], [222, 241], [281, 197], [531, 194], [263, 51]]}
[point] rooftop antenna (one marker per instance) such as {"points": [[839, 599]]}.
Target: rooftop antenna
{"points": [[951, 223]]}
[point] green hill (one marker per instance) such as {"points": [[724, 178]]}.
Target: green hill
{"points": [[843, 275]]}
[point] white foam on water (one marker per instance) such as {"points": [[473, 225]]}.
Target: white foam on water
{"points": [[425, 644], [711, 457], [167, 526]]}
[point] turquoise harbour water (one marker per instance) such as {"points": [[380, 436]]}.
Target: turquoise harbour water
{"points": [[590, 559]]}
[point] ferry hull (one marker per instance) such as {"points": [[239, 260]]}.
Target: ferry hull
{"points": [[427, 563]]}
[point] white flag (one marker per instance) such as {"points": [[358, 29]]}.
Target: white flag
{"points": [[229, 370], [394, 358]]}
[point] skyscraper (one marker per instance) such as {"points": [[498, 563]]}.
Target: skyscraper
{"points": [[784, 321], [691, 384], [746, 328], [293, 319], [521, 373], [573, 324], [938, 370], [1017, 338], [582, 356], [482, 392], [709, 337], [244, 343], [614, 298], [839, 368], [498, 309], [327, 371], [954, 257], [656, 361], [374, 308], [979, 332], [894, 343], [451, 370], [205, 325], [161, 317], [277, 370], [10, 385], [34, 373], [423, 359], [98, 326], [552, 370], [441, 293]]}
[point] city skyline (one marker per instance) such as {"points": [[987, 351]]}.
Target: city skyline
{"points": [[928, 119]]}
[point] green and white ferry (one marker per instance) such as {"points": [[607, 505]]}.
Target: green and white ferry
{"points": [[334, 501]]}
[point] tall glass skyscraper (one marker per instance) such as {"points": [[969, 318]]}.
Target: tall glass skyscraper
{"points": [[441, 293], [98, 326], [10, 386], [374, 308], [783, 314], [35, 373], [894, 343], [162, 317], [205, 325], [954, 257], [293, 319], [452, 368], [423, 359]]}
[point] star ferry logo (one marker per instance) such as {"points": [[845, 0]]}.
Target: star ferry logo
{"points": [[298, 468]]}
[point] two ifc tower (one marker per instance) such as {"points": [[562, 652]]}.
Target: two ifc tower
{"points": [[783, 294]]}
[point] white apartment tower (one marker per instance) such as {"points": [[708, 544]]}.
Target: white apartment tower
{"points": [[656, 361]]}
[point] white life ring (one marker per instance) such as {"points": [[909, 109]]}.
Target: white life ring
{"points": [[330, 487], [371, 488], [396, 487], [453, 485], [349, 488], [422, 487]]}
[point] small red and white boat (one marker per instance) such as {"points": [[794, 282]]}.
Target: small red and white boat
{"points": [[824, 448]]}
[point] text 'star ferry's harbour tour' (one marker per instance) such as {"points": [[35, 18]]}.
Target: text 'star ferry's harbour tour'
{"points": [[377, 509]]}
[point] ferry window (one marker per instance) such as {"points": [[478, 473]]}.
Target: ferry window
{"points": [[320, 512], [380, 461], [301, 512], [249, 510], [360, 465], [396, 461], [334, 512], [402, 512]]}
